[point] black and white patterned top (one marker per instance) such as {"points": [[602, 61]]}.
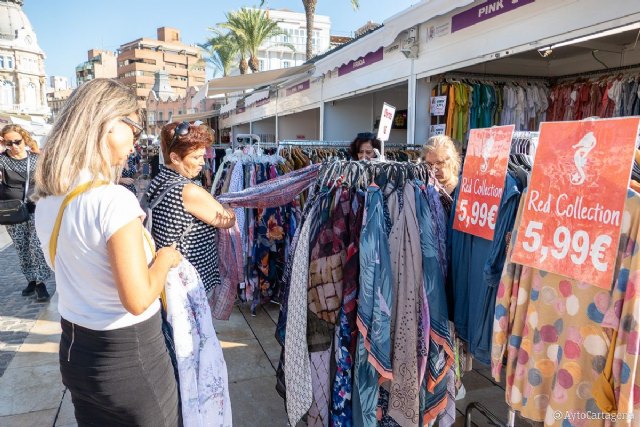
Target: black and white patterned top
{"points": [[170, 221], [16, 175]]}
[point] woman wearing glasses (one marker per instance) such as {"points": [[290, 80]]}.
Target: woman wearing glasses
{"points": [[188, 214], [362, 146], [13, 168], [113, 356], [441, 155]]}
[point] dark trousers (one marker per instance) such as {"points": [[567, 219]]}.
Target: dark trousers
{"points": [[121, 377]]}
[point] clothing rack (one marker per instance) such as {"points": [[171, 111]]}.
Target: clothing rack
{"points": [[489, 77], [598, 72], [315, 143]]}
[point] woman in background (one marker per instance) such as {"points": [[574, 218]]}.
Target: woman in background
{"points": [[13, 169]]}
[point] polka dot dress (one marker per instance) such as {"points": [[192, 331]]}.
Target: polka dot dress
{"points": [[171, 220]]}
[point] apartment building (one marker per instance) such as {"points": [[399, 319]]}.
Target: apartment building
{"points": [[273, 54], [139, 60], [99, 63]]}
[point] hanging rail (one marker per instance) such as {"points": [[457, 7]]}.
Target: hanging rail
{"points": [[598, 72]]}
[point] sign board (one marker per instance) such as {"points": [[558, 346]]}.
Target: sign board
{"points": [[299, 87], [438, 105], [363, 61], [482, 184], [484, 11], [573, 211], [386, 122], [437, 129]]}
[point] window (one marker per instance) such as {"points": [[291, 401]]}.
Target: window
{"points": [[261, 66], [285, 64], [30, 94], [7, 93], [160, 114], [1, 61], [10, 62]]}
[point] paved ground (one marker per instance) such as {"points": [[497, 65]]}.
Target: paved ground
{"points": [[17, 313]]}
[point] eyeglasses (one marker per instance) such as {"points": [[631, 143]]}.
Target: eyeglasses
{"points": [[136, 127], [366, 135], [438, 165], [9, 142]]}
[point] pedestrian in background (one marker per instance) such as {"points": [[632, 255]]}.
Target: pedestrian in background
{"points": [[363, 145], [113, 355], [17, 165], [128, 176], [441, 154]]}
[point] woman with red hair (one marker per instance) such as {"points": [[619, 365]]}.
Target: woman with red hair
{"points": [[188, 214]]}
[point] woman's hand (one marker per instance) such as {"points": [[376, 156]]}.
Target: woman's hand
{"points": [[170, 255]]}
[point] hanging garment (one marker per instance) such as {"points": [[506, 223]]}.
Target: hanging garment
{"points": [[441, 355], [556, 334], [202, 371], [275, 192], [346, 330], [373, 355], [297, 369], [231, 267], [406, 267]]}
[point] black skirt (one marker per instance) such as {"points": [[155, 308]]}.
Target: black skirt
{"points": [[122, 377]]}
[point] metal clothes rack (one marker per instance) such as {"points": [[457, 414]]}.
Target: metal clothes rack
{"points": [[598, 72], [490, 77], [314, 143]]}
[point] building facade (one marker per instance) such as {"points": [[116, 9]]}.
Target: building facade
{"points": [[58, 83], [274, 54], [162, 106], [99, 63], [22, 75], [56, 100], [139, 60]]}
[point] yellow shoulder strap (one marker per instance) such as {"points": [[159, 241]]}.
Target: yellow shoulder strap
{"points": [[53, 241]]}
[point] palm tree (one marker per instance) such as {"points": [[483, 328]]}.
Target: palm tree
{"points": [[253, 27], [222, 50], [310, 11]]}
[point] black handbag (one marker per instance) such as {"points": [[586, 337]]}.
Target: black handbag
{"points": [[15, 211]]}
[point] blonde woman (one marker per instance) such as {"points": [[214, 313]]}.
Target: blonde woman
{"points": [[113, 357], [441, 155], [16, 165]]}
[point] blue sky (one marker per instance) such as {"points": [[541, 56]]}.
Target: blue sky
{"points": [[67, 29]]}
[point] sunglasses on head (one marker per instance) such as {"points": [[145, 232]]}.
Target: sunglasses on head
{"points": [[136, 127], [9, 143], [366, 135], [181, 130]]}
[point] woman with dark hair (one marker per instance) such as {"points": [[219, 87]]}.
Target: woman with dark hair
{"points": [[362, 147], [188, 214]]}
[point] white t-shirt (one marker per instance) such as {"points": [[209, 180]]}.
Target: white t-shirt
{"points": [[87, 292]]}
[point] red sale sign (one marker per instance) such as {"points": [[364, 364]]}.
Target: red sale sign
{"points": [[482, 185], [574, 207]]}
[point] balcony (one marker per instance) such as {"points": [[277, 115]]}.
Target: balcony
{"points": [[23, 109]]}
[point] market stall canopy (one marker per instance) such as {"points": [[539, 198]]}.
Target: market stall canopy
{"points": [[256, 96], [386, 34], [254, 80], [230, 106]]}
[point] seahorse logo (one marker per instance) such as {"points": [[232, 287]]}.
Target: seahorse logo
{"points": [[487, 146], [583, 148]]}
